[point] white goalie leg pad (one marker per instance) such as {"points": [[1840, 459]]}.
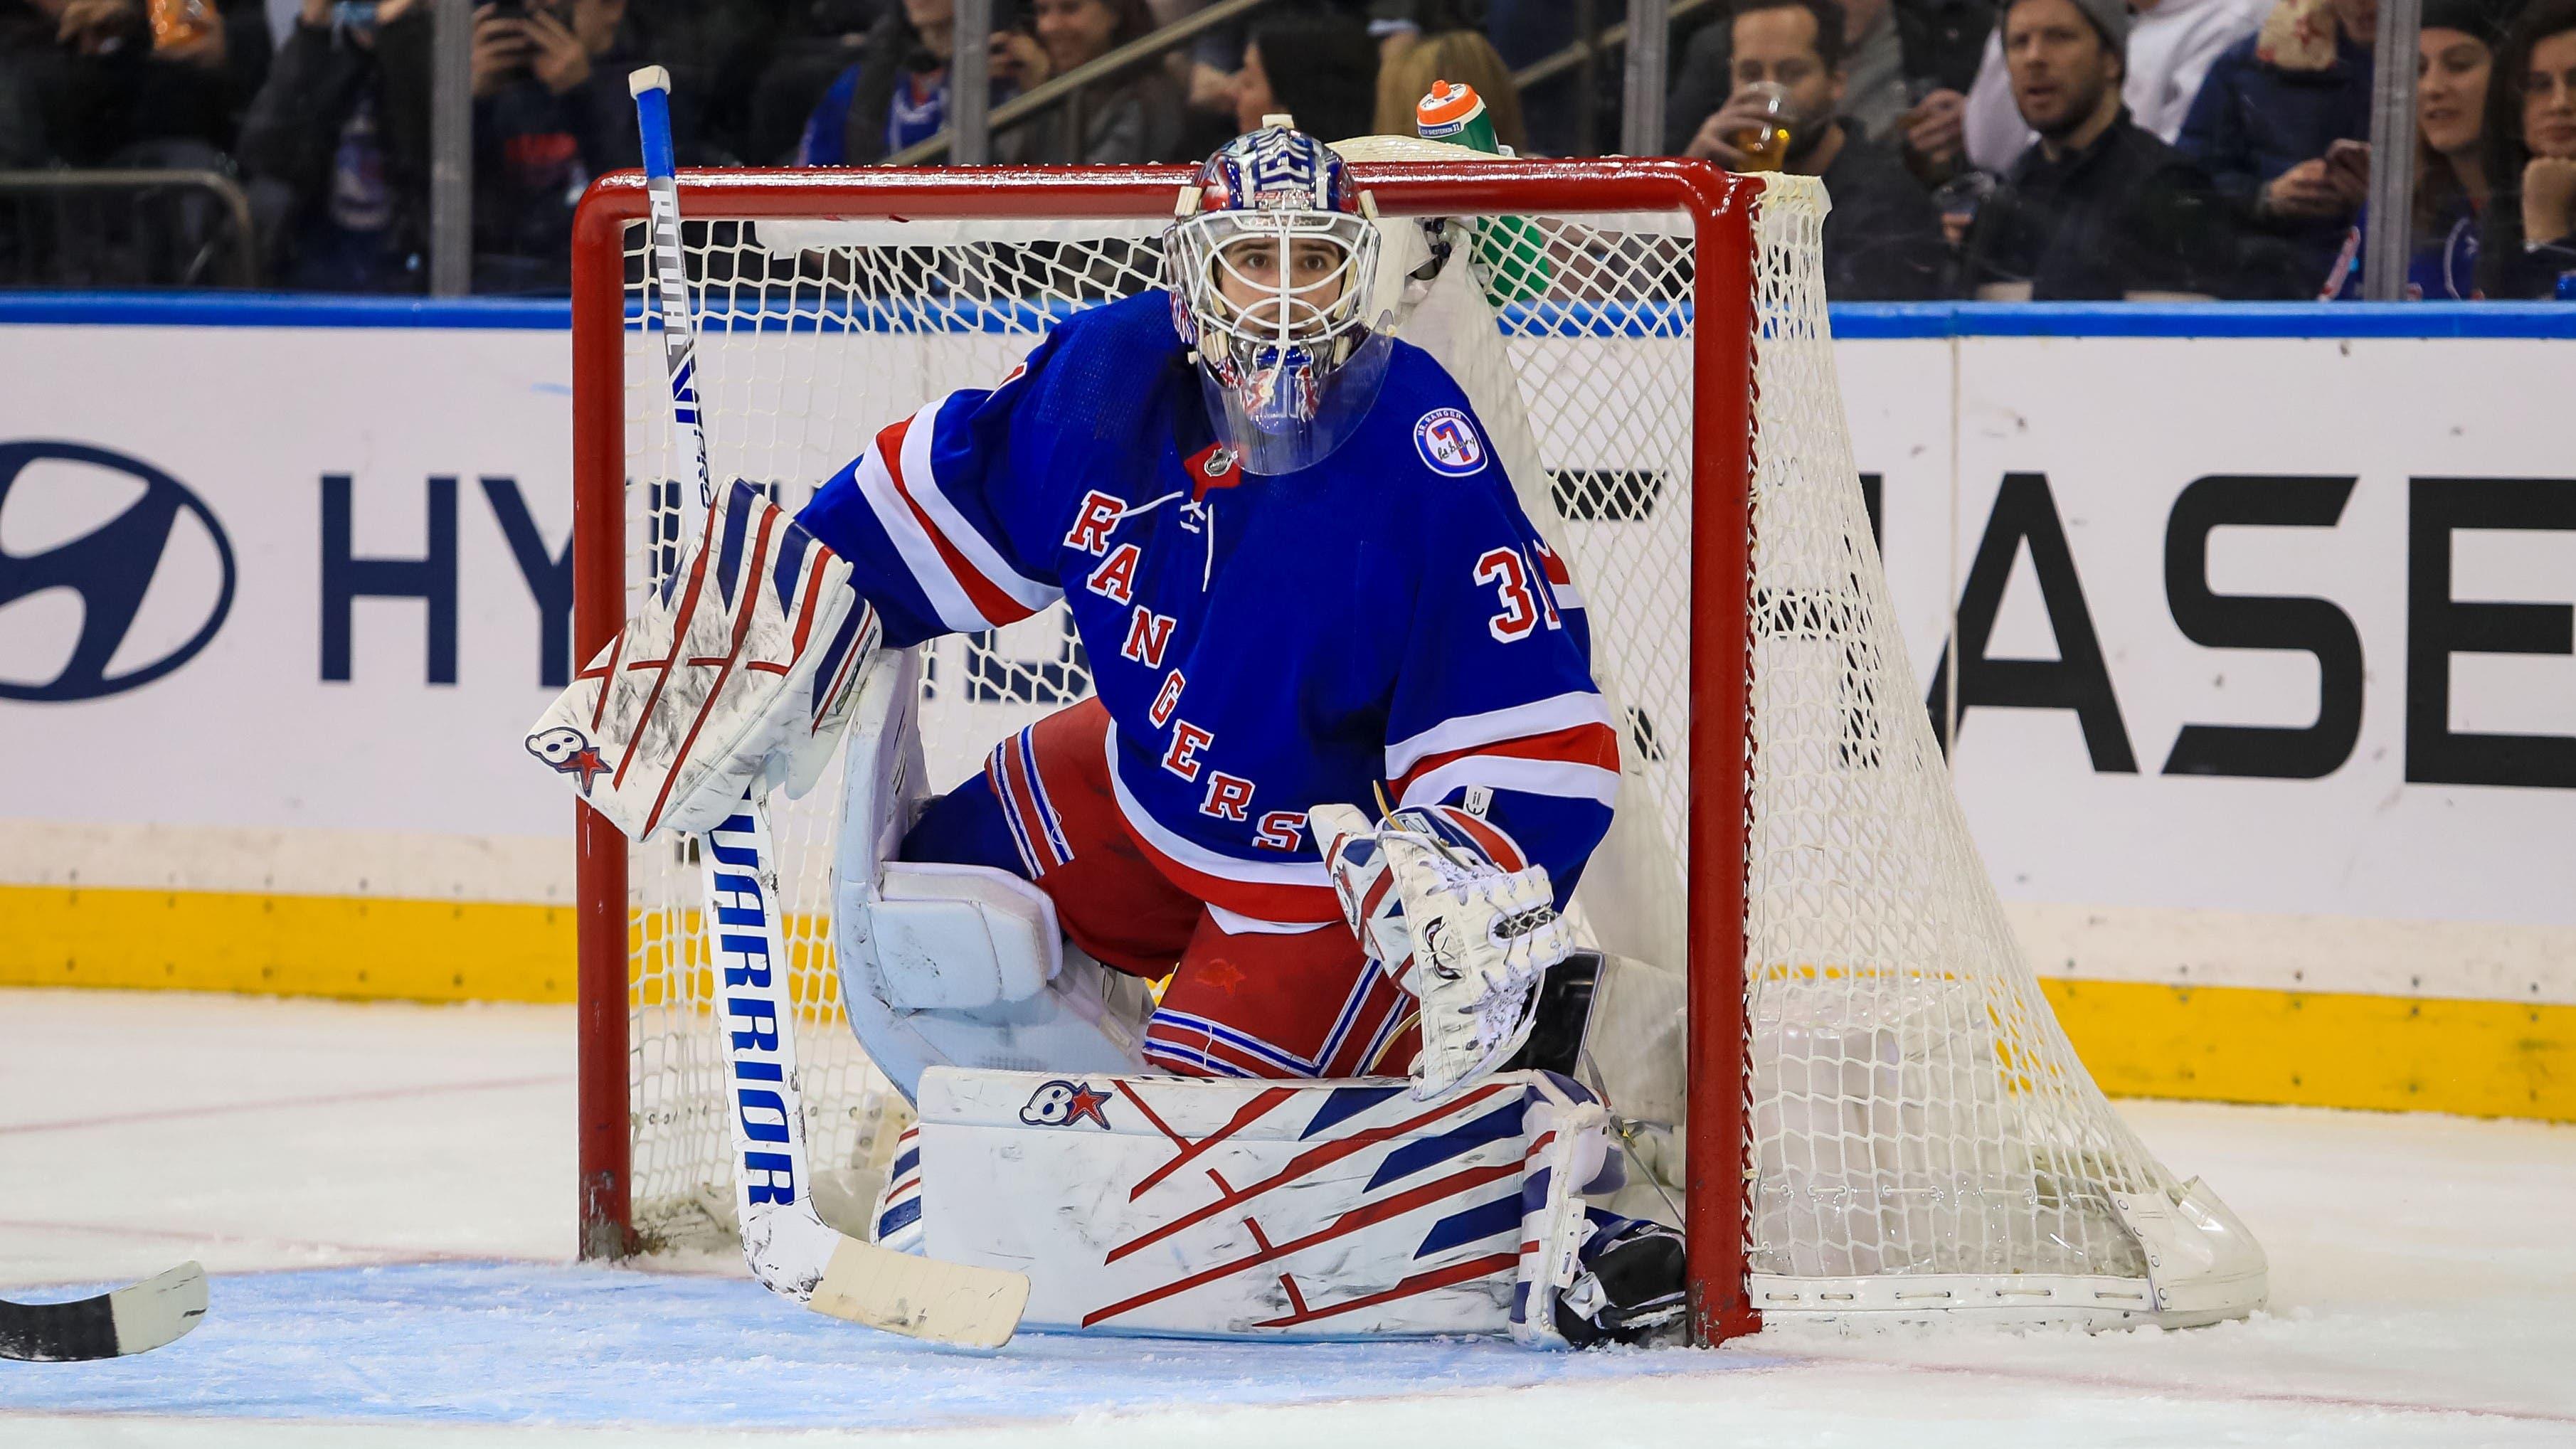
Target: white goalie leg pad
{"points": [[737, 671], [954, 965], [1468, 938], [1260, 1209]]}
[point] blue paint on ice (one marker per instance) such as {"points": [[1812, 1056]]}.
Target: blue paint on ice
{"points": [[515, 1343]]}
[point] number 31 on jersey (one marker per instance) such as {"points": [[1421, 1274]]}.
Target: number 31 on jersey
{"points": [[1508, 571]]}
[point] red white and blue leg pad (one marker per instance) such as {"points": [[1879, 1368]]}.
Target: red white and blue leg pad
{"points": [[1235, 1208]]}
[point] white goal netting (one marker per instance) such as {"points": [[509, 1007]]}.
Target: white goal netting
{"points": [[1917, 1114]]}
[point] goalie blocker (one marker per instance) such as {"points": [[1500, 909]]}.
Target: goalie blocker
{"points": [[734, 676]]}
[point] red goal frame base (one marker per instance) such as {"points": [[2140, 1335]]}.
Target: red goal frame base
{"points": [[1722, 209]]}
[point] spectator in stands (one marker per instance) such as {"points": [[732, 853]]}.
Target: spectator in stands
{"points": [[2454, 68], [1528, 31], [1938, 42], [2097, 209], [551, 111], [1873, 66], [1904, 70], [1882, 239], [1871, 61], [746, 73], [1138, 119], [897, 94], [2282, 123], [338, 141], [2529, 246], [1458, 56], [2172, 44], [1319, 66], [96, 84], [93, 83], [26, 46], [1933, 131], [1205, 70], [336, 149]]}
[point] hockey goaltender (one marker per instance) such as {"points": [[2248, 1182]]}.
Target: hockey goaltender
{"points": [[1305, 585]]}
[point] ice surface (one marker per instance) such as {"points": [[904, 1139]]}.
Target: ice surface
{"points": [[509, 1343], [384, 1197]]}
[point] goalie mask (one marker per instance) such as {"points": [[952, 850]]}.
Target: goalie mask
{"points": [[1270, 257]]}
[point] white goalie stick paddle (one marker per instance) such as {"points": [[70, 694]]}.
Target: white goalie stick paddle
{"points": [[789, 1247], [130, 1320]]}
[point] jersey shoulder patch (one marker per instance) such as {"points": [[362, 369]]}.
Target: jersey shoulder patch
{"points": [[1449, 443]]}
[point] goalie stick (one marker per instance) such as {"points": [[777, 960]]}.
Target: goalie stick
{"points": [[788, 1246], [135, 1319]]}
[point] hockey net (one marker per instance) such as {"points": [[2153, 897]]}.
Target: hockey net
{"points": [[1901, 1125]]}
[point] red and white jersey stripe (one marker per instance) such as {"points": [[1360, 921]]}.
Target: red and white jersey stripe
{"points": [[1565, 745], [966, 579]]}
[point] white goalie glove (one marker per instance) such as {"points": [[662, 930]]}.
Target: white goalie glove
{"points": [[738, 670], [1468, 938]]}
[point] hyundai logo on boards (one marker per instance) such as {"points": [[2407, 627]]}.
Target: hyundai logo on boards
{"points": [[138, 553]]}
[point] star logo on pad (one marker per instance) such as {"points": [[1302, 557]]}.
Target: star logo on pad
{"points": [[566, 752], [1086, 1103], [1062, 1103]]}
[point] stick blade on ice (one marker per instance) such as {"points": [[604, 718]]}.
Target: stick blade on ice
{"points": [[953, 1303], [112, 1325]]}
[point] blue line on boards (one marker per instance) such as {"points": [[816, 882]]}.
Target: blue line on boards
{"points": [[1852, 321]]}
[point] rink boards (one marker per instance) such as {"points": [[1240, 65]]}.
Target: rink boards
{"points": [[360, 597]]}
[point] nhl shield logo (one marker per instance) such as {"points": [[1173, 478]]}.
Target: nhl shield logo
{"points": [[1447, 441]]}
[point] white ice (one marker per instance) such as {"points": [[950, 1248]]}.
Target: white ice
{"points": [[384, 1196]]}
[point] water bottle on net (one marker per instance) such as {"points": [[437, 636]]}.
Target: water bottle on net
{"points": [[1510, 252]]}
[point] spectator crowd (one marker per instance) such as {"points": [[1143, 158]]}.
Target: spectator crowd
{"points": [[2042, 149]]}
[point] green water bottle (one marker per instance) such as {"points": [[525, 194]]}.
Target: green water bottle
{"points": [[1510, 252]]}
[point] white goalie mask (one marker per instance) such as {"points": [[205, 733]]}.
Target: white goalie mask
{"points": [[1271, 257]]}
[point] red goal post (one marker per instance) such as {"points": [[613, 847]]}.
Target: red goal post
{"points": [[1720, 209]]}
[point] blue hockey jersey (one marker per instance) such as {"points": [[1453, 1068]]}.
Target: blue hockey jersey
{"points": [[1262, 643]]}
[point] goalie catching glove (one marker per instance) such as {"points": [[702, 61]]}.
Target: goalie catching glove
{"points": [[1468, 938], [737, 672]]}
